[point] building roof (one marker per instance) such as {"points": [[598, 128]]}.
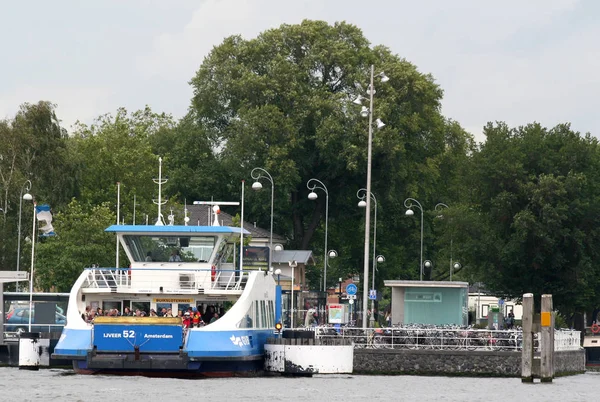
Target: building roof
{"points": [[426, 284], [300, 256], [199, 215], [153, 229]]}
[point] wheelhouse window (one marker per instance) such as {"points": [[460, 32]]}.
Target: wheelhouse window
{"points": [[170, 249]]}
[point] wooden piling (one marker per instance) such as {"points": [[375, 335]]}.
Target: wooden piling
{"points": [[547, 340], [527, 351]]}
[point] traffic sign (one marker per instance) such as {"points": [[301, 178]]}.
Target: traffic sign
{"points": [[351, 301], [351, 297], [372, 294], [351, 289]]}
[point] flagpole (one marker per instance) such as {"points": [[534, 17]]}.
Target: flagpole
{"points": [[31, 269], [118, 215]]}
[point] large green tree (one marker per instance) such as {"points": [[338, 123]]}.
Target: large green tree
{"points": [[33, 154], [119, 149], [80, 242], [282, 101], [535, 214]]}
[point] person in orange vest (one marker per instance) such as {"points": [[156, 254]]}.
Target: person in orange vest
{"points": [[196, 318]]}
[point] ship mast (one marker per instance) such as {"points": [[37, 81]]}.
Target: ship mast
{"points": [[160, 181]]}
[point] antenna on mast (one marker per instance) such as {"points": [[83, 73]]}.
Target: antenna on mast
{"points": [[160, 181]]}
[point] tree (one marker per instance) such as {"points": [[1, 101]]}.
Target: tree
{"points": [[537, 211], [80, 242], [281, 101], [118, 149], [33, 148]]}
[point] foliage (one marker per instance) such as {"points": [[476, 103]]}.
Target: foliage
{"points": [[118, 149], [282, 101], [537, 219], [80, 242]]}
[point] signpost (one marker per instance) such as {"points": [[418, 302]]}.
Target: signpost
{"points": [[351, 289], [372, 294]]}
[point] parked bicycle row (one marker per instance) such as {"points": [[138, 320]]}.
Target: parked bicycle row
{"points": [[440, 337]]}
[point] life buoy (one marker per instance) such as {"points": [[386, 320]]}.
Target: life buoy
{"points": [[595, 328], [213, 273]]}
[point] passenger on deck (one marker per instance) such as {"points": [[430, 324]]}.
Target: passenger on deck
{"points": [[127, 312], [153, 313], [85, 315], [168, 313], [196, 318], [214, 318], [187, 320], [175, 257], [149, 256]]}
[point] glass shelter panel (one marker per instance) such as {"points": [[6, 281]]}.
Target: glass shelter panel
{"points": [[437, 306], [172, 248]]}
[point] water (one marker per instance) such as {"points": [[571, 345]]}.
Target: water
{"points": [[62, 385]]}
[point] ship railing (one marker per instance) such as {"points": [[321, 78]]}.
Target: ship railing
{"points": [[180, 280], [438, 338]]}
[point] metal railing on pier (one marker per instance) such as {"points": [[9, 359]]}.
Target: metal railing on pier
{"points": [[442, 338]]}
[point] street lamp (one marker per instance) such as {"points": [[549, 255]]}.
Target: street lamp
{"points": [[454, 267], [364, 113], [362, 194], [27, 197], [257, 174], [312, 185], [438, 207], [408, 203], [278, 273], [429, 265]]}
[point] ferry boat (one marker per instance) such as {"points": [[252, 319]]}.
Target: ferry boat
{"points": [[206, 270]]}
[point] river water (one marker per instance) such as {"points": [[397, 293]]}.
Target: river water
{"points": [[62, 385]]}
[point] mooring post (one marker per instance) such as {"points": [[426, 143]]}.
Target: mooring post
{"points": [[547, 340], [527, 351]]}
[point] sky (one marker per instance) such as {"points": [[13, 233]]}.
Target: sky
{"points": [[512, 61]]}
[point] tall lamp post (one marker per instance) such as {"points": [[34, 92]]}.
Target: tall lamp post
{"points": [[312, 185], [409, 203], [368, 112], [31, 269], [257, 174], [27, 197]]}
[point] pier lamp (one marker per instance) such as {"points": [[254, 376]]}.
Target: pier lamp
{"points": [[410, 203], [257, 174], [455, 267], [27, 197], [368, 112], [312, 185]]}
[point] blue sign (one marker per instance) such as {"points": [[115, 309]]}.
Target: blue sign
{"points": [[149, 338], [372, 294], [351, 289], [500, 302]]}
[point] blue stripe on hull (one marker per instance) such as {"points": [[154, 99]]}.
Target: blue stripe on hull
{"points": [[74, 342], [226, 344]]}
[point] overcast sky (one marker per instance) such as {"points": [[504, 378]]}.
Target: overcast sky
{"points": [[515, 61]]}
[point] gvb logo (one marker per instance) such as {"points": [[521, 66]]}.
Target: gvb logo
{"points": [[240, 341]]}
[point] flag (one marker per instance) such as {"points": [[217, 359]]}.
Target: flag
{"points": [[43, 214]]}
